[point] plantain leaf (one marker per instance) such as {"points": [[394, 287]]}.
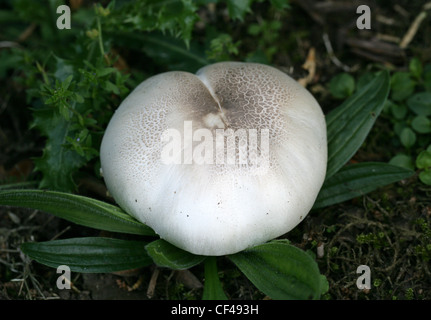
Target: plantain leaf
{"points": [[77, 209], [213, 289], [281, 271], [358, 179], [349, 124], [167, 255], [89, 254]]}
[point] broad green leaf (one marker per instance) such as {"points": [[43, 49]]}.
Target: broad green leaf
{"points": [[415, 67], [423, 161], [167, 255], [213, 289], [421, 124], [420, 103], [281, 271], [425, 177], [357, 180], [89, 254], [77, 209], [402, 86], [349, 124], [342, 85], [399, 111], [408, 137], [402, 160]]}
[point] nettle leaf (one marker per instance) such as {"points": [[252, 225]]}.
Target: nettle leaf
{"points": [[89, 255], [281, 271], [176, 17], [239, 8], [57, 164]]}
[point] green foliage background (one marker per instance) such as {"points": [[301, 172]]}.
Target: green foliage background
{"points": [[75, 78]]}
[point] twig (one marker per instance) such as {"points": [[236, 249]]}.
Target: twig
{"points": [[331, 54], [152, 285], [408, 37], [27, 32]]}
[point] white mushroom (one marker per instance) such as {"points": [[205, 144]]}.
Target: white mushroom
{"points": [[219, 161]]}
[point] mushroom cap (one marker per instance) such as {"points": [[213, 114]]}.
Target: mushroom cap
{"points": [[192, 195]]}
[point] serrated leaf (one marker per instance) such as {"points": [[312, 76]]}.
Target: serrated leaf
{"points": [[66, 83], [89, 255], [281, 271], [77, 209], [57, 164], [357, 180], [105, 71], [167, 255], [63, 70], [239, 8], [349, 124], [176, 17]]}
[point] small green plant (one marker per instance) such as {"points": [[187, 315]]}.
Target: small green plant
{"points": [[409, 108], [423, 250], [377, 241]]}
